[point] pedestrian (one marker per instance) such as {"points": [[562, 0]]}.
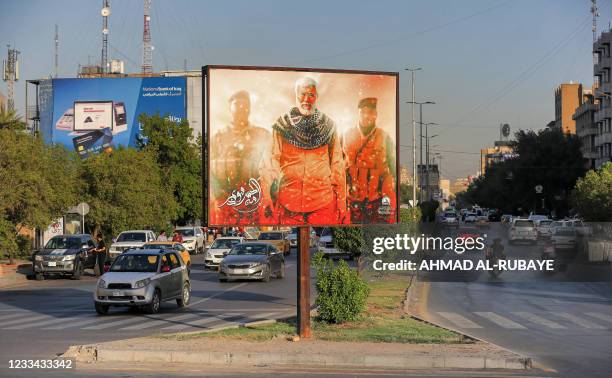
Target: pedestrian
{"points": [[177, 237], [162, 236], [100, 252]]}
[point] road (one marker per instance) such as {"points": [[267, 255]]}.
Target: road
{"points": [[563, 321], [43, 318]]}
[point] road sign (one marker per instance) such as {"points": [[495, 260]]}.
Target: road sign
{"points": [[82, 209]]}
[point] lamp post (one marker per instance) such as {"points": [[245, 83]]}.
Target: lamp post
{"points": [[414, 166], [421, 134]]}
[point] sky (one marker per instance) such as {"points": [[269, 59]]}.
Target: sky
{"points": [[483, 62]]}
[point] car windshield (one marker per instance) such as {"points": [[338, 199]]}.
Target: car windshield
{"points": [[523, 223], [135, 263], [59, 242], [132, 236], [565, 231], [545, 222], [449, 215], [249, 249], [159, 245], [186, 232], [270, 236], [224, 243]]}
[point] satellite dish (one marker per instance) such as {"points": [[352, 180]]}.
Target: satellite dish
{"points": [[505, 130], [105, 12]]}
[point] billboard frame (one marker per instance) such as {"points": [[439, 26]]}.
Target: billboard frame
{"points": [[206, 140]]}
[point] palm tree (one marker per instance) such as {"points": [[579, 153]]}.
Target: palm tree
{"points": [[9, 119]]}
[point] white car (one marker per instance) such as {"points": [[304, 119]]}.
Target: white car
{"points": [[132, 239], [522, 230], [194, 239], [449, 218], [544, 228], [293, 236], [564, 238], [470, 217], [219, 249], [581, 228], [327, 247]]}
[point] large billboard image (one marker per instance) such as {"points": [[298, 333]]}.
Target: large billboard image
{"points": [[301, 146], [100, 114]]}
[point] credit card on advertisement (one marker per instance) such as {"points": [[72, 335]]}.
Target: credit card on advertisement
{"points": [[93, 142]]}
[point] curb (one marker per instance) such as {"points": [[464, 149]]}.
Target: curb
{"points": [[96, 353]]}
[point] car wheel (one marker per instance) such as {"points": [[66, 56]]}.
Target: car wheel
{"points": [[281, 272], [153, 307], [39, 276], [183, 301], [78, 271], [101, 308], [266, 277]]}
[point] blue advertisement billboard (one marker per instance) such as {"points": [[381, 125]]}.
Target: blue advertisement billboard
{"points": [[100, 114]]}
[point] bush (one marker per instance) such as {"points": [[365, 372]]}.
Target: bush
{"points": [[428, 210], [348, 239], [342, 294]]}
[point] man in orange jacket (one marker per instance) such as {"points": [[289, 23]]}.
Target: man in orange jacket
{"points": [[305, 172], [371, 168], [236, 153]]}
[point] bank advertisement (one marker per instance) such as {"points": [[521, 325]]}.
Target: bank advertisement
{"points": [[301, 146], [100, 114]]}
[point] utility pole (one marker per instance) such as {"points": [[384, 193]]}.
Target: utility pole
{"points": [[105, 13], [420, 141], [10, 74], [147, 49], [414, 165], [56, 51]]}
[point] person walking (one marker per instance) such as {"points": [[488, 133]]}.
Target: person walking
{"points": [[177, 237], [100, 252], [162, 236]]}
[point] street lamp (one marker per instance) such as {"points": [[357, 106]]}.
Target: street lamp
{"points": [[414, 166], [421, 130]]}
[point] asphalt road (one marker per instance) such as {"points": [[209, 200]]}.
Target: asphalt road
{"points": [[42, 319], [562, 320]]}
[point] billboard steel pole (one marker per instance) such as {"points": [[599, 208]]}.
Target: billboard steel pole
{"points": [[303, 284]]}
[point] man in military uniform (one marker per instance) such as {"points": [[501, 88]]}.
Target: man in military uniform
{"points": [[235, 156], [305, 172], [371, 169]]}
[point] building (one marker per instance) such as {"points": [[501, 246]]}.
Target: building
{"points": [[602, 97], [460, 185], [586, 129], [568, 97], [445, 188], [428, 182], [501, 151], [405, 176]]}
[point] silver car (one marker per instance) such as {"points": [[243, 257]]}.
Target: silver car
{"points": [[252, 261], [144, 278]]}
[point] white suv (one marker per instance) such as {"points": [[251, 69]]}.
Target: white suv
{"points": [[132, 239], [194, 239], [523, 230]]}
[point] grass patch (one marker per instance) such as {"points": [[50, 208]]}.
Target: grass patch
{"points": [[383, 321]]}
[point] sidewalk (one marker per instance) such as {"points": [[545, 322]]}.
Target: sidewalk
{"points": [[15, 274], [281, 352]]}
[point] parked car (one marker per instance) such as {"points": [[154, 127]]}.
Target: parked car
{"points": [[293, 237], [277, 239], [132, 239], [194, 239], [219, 249], [174, 246], [144, 278], [494, 216], [543, 227], [522, 230], [328, 248], [470, 217], [67, 255], [252, 261], [449, 219], [564, 238], [537, 217]]}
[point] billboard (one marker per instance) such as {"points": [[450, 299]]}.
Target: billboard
{"points": [[291, 146], [100, 114]]}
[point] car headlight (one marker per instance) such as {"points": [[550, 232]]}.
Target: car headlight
{"points": [[101, 283], [255, 265], [68, 257], [38, 258], [142, 283]]}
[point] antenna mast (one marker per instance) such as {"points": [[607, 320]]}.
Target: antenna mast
{"points": [[105, 13], [147, 49], [10, 74]]}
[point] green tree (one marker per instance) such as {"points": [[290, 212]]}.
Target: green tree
{"points": [[125, 190], [38, 183], [9, 119], [178, 155], [592, 195]]}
